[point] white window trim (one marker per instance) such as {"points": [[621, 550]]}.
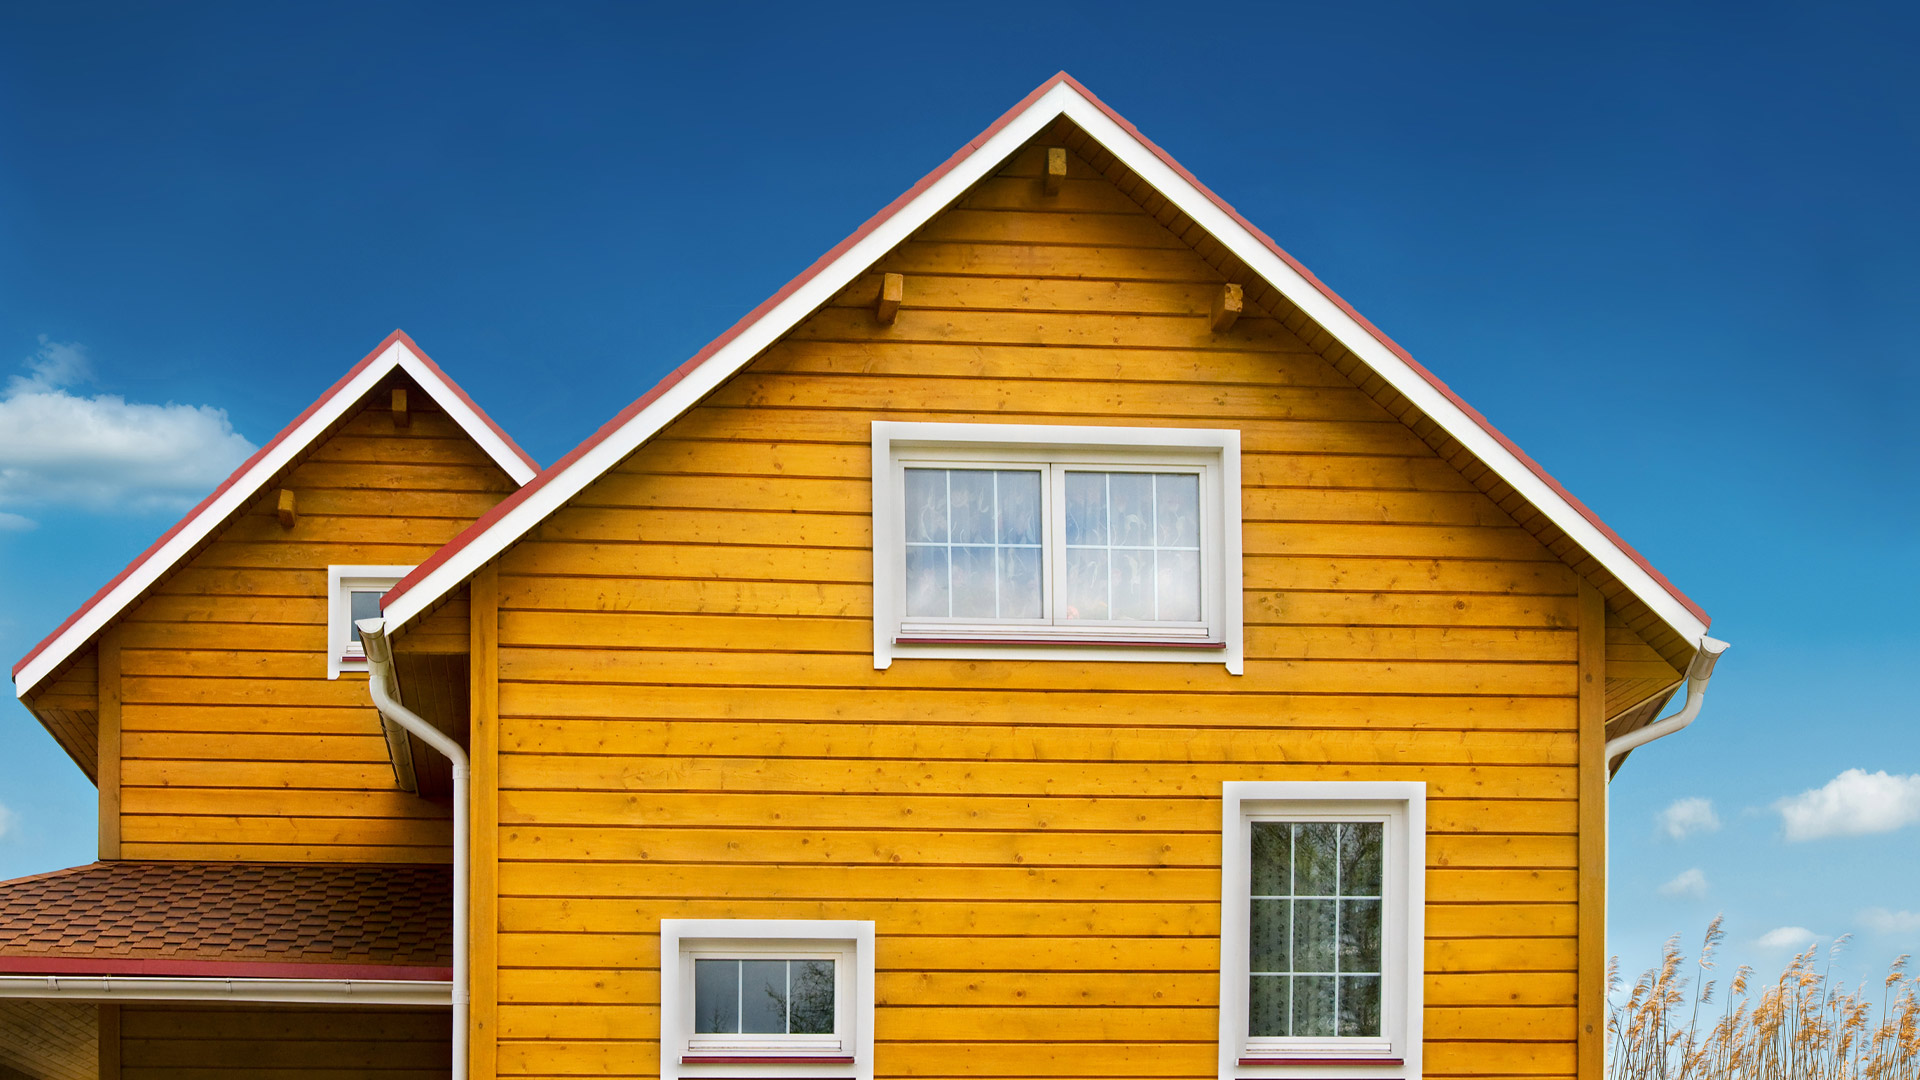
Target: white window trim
{"points": [[1216, 451], [1403, 929], [340, 581], [850, 942]]}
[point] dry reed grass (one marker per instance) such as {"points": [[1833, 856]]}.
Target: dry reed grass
{"points": [[1804, 1026]]}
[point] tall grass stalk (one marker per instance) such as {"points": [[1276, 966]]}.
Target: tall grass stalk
{"points": [[1804, 1026]]}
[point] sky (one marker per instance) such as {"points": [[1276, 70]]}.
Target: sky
{"points": [[1672, 250]]}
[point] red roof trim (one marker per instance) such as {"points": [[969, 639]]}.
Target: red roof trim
{"points": [[214, 969], [606, 430], [399, 336]]}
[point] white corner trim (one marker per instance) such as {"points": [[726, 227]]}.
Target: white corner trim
{"points": [[243, 489], [851, 937], [1062, 99], [283, 991], [340, 579], [1403, 804], [1214, 451]]}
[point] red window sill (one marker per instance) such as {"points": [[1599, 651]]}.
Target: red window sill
{"points": [[1309, 1062], [1110, 642], [785, 1059]]}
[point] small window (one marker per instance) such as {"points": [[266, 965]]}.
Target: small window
{"points": [[353, 593], [1024, 542], [1321, 928], [751, 998]]}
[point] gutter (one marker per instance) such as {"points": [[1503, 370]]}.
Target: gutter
{"points": [[383, 687], [1698, 674], [278, 991]]}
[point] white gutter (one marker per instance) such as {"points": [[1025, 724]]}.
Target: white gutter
{"points": [[283, 991], [1698, 673], [383, 688]]}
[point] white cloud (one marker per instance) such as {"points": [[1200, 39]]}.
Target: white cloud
{"points": [[1687, 816], [1855, 803], [1891, 922], [102, 452], [7, 820], [1788, 937], [16, 522], [1691, 884]]}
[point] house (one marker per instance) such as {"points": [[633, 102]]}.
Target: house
{"points": [[1053, 636]]}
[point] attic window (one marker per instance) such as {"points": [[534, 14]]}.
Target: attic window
{"points": [[353, 593], [1031, 542]]}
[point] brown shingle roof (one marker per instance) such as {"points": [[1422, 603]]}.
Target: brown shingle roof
{"points": [[181, 918]]}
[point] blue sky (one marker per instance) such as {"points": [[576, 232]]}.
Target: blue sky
{"points": [[1670, 249]]}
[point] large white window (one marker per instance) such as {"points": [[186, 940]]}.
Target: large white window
{"points": [[353, 593], [1322, 929], [1043, 541], [766, 998]]}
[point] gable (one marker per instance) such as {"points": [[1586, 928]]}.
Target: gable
{"points": [[1197, 219]]}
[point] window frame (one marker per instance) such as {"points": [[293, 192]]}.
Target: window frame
{"points": [[1212, 454], [848, 1052], [1396, 1053], [343, 653]]}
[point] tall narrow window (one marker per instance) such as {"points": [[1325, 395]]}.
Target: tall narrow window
{"points": [[1321, 927]]}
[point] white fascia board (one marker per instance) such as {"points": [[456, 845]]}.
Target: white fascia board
{"points": [[202, 524], [463, 414], [282, 991], [1322, 310], [730, 358]]}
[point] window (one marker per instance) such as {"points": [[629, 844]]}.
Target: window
{"points": [[1321, 933], [1033, 542], [353, 593], [766, 998]]}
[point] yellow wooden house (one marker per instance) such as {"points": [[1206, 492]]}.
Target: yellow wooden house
{"points": [[1053, 636]]}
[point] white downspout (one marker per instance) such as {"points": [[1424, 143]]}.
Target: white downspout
{"points": [[382, 686], [1698, 673]]}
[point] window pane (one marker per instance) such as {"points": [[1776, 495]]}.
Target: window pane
{"points": [[716, 996], [927, 581], [1359, 1005], [1360, 936], [1019, 507], [1314, 858], [1272, 858], [1360, 858], [763, 997], [973, 582], [1180, 586], [926, 506], [1272, 927], [1086, 583], [971, 492], [1020, 596], [1086, 508], [1177, 509], [812, 997], [1269, 1008], [361, 604], [1130, 509], [1313, 1005], [1313, 934], [1132, 584]]}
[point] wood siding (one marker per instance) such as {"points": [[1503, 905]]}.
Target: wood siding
{"points": [[188, 1042], [236, 745], [68, 705], [691, 726]]}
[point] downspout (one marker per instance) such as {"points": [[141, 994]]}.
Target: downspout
{"points": [[381, 685], [1698, 673]]}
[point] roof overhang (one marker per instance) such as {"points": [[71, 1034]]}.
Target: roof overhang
{"points": [[1060, 96], [397, 352], [209, 989]]}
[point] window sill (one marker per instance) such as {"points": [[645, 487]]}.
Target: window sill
{"points": [[1129, 643], [1323, 1062], [783, 1059]]}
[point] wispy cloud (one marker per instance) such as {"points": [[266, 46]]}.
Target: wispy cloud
{"points": [[100, 452], [1855, 803], [1691, 884], [8, 819], [1788, 937], [1891, 922], [1687, 816]]}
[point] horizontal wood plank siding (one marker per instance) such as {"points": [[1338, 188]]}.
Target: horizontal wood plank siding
{"points": [[236, 745], [185, 1042], [691, 726]]}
